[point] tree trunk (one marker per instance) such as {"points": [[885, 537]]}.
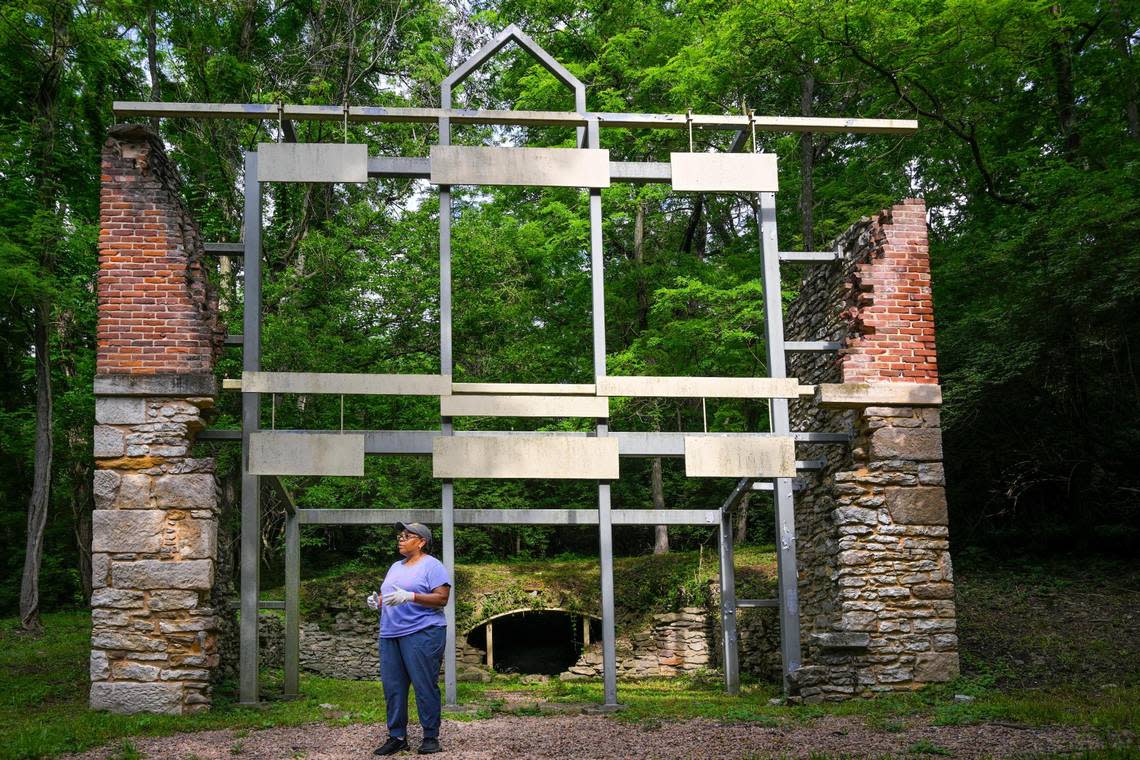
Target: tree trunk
{"points": [[47, 94], [41, 479], [152, 58], [1122, 39], [639, 259], [807, 160], [1065, 90], [81, 512], [740, 531], [661, 534]]}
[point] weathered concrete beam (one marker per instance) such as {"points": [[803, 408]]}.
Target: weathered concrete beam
{"points": [[857, 395]]}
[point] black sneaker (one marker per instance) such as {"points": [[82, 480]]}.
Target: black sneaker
{"points": [[392, 746], [429, 746]]}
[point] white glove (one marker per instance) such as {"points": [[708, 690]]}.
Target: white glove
{"points": [[399, 596], [373, 601]]}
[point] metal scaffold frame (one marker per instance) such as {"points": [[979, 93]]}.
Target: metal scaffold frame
{"points": [[588, 124]]}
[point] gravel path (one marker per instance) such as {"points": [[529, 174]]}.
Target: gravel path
{"points": [[584, 737]]}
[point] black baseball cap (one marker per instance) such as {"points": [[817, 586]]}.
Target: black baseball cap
{"points": [[419, 529]]}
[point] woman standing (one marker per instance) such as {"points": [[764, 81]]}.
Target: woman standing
{"points": [[412, 635]]}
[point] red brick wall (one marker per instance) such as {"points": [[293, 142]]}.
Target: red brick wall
{"points": [[157, 313], [890, 313]]}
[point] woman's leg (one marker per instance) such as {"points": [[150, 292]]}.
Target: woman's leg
{"points": [[395, 678], [423, 653]]}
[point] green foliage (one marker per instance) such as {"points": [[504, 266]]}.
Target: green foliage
{"points": [[1028, 156], [642, 586]]}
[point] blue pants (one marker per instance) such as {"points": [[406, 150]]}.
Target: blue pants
{"points": [[413, 660]]}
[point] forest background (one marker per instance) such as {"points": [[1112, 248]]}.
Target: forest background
{"points": [[1028, 156]]}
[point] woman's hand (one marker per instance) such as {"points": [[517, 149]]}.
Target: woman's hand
{"points": [[373, 601], [399, 596]]}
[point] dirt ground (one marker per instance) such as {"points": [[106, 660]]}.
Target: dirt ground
{"points": [[584, 737]]}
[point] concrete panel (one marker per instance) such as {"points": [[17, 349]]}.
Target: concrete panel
{"points": [[348, 384], [534, 167], [312, 162], [559, 458], [703, 387], [524, 406], [525, 389], [855, 395], [300, 453], [724, 172], [711, 457]]}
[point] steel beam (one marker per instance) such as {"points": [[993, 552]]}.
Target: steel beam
{"points": [[729, 646], [377, 114], [292, 652], [509, 516], [814, 257], [814, 345], [786, 566], [630, 444], [225, 249], [605, 516], [757, 603], [250, 407], [446, 363]]}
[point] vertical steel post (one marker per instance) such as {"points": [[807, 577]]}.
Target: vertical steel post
{"points": [[250, 422], [785, 508], [730, 654], [605, 518], [447, 497], [292, 604]]}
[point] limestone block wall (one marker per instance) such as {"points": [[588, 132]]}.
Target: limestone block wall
{"points": [[876, 582], [154, 537]]}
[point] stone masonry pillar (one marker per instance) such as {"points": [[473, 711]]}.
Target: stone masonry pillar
{"points": [[876, 581], [154, 538]]}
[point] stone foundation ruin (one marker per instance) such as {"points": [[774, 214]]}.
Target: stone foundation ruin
{"points": [[874, 577]]}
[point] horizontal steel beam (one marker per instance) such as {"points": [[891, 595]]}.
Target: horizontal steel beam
{"points": [[757, 602], [225, 249], [141, 109], [817, 257], [770, 485], [814, 345], [629, 444], [508, 516]]}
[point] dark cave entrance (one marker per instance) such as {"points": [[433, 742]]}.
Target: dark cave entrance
{"points": [[545, 642]]}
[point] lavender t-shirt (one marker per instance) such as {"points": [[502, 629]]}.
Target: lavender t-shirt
{"points": [[401, 619]]}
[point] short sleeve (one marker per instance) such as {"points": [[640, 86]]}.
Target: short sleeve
{"points": [[437, 576]]}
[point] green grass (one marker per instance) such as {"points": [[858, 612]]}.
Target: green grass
{"points": [[1030, 656]]}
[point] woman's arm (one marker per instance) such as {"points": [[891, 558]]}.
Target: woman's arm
{"points": [[437, 598]]}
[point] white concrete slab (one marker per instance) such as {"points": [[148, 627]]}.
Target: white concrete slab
{"points": [[280, 453], [855, 395], [312, 162], [702, 387], [346, 383], [724, 172], [559, 458], [524, 389], [533, 167], [524, 406], [711, 457]]}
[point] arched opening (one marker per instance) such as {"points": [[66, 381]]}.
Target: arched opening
{"points": [[545, 642]]}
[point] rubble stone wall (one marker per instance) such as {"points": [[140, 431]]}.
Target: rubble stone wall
{"points": [[875, 577]]}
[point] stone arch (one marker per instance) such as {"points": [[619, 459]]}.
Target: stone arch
{"points": [[542, 640]]}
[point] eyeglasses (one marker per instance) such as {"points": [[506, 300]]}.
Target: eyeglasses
{"points": [[408, 536]]}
